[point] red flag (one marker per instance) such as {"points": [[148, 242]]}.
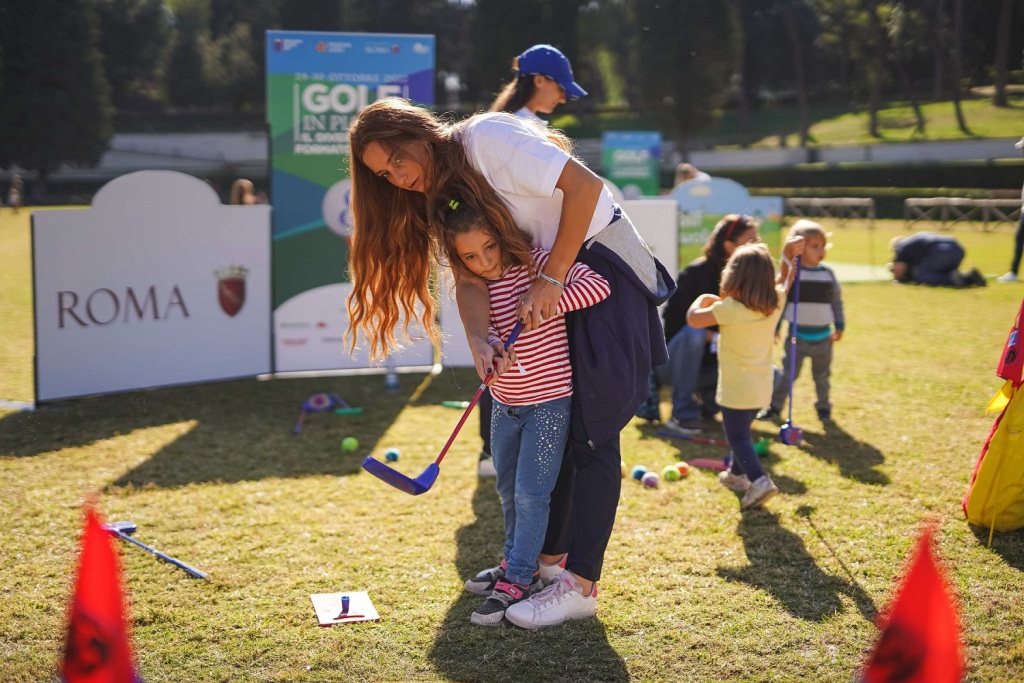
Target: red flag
{"points": [[98, 650], [920, 639]]}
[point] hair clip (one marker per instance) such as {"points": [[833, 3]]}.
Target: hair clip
{"points": [[454, 204]]}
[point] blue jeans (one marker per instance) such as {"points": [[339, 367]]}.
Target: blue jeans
{"points": [[527, 443], [741, 441], [685, 356], [938, 265]]}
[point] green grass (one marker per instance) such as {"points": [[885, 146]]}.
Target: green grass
{"points": [[692, 590], [833, 124]]}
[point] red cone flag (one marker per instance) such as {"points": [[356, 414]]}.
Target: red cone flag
{"points": [[920, 639], [97, 649]]}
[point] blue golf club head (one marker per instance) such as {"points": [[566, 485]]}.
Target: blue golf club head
{"points": [[791, 435], [415, 487]]}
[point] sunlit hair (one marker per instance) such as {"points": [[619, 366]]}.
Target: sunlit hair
{"points": [[458, 217], [749, 278], [515, 95], [395, 230], [728, 229], [805, 228]]}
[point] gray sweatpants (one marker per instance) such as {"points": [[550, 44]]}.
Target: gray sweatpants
{"points": [[820, 353]]}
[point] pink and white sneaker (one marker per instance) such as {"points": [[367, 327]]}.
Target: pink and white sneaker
{"points": [[558, 603]]}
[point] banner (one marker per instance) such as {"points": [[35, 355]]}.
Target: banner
{"points": [[702, 203], [156, 284], [317, 83], [631, 161]]}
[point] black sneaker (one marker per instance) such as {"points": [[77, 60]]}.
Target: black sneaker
{"points": [[768, 414], [825, 415], [492, 611], [975, 278], [486, 581]]}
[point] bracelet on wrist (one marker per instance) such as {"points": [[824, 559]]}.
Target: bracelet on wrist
{"points": [[552, 280]]}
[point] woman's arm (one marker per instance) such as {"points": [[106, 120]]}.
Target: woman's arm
{"points": [[700, 314], [581, 190], [474, 302]]}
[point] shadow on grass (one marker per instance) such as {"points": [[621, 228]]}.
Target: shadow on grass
{"points": [[781, 565], [226, 431], [856, 460], [1009, 545], [576, 651]]}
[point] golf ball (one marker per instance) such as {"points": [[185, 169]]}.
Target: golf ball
{"points": [[349, 444], [391, 454], [683, 468], [670, 473], [651, 480], [638, 472], [761, 447]]}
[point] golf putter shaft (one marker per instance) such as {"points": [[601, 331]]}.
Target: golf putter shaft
{"points": [[191, 571]]}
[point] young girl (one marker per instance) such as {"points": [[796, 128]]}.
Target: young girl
{"points": [[530, 416], [747, 312]]}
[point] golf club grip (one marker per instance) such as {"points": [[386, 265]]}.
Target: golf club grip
{"points": [[512, 336], [191, 571]]}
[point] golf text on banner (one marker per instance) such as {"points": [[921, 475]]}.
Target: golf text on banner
{"points": [[317, 83], [98, 649], [920, 640]]}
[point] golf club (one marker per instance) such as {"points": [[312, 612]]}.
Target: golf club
{"points": [[123, 530], [790, 434], [695, 439], [422, 483]]}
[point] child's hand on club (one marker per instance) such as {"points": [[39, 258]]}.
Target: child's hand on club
{"points": [[794, 247]]}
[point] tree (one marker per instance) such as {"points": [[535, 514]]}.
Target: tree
{"points": [[56, 103], [685, 53], [1002, 51], [184, 80], [133, 67]]}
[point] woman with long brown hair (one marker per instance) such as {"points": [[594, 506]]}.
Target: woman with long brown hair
{"points": [[404, 164]]}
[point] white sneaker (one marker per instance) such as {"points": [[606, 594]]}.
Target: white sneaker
{"points": [[485, 468], [734, 482], [1009, 277], [759, 492], [561, 601], [549, 572]]}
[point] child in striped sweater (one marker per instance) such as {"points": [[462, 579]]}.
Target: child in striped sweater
{"points": [[530, 417]]}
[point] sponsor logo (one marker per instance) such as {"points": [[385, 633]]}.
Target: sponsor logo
{"points": [[381, 48], [420, 48], [294, 341], [321, 46], [286, 44], [105, 306], [278, 44], [231, 288], [292, 326]]}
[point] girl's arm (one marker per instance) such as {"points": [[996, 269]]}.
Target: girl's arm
{"points": [[474, 302], [581, 190], [700, 313], [583, 287], [794, 247]]}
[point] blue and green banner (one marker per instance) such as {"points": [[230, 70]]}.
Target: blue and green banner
{"points": [[317, 83], [631, 161]]}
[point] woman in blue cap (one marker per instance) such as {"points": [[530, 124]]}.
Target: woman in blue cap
{"points": [[543, 81]]}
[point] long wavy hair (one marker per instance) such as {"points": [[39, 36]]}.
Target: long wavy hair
{"points": [[514, 95], [396, 231], [458, 216], [749, 278]]}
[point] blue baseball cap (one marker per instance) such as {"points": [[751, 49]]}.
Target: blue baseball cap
{"points": [[549, 61]]}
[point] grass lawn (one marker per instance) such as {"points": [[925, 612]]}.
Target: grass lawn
{"points": [[692, 589]]}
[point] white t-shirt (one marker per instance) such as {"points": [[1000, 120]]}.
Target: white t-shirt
{"points": [[522, 165], [528, 115]]}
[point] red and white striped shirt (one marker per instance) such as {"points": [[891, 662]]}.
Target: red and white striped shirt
{"points": [[543, 371]]}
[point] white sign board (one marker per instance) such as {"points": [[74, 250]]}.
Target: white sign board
{"points": [[157, 284]]}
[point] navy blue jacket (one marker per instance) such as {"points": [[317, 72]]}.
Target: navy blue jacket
{"points": [[615, 343]]}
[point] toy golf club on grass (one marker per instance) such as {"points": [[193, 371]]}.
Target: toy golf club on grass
{"points": [[790, 434], [318, 403], [422, 483], [123, 530]]}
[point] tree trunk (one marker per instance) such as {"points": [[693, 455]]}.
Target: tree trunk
{"points": [[792, 31], [882, 38], [933, 15], [741, 71], [958, 20], [1002, 52]]}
